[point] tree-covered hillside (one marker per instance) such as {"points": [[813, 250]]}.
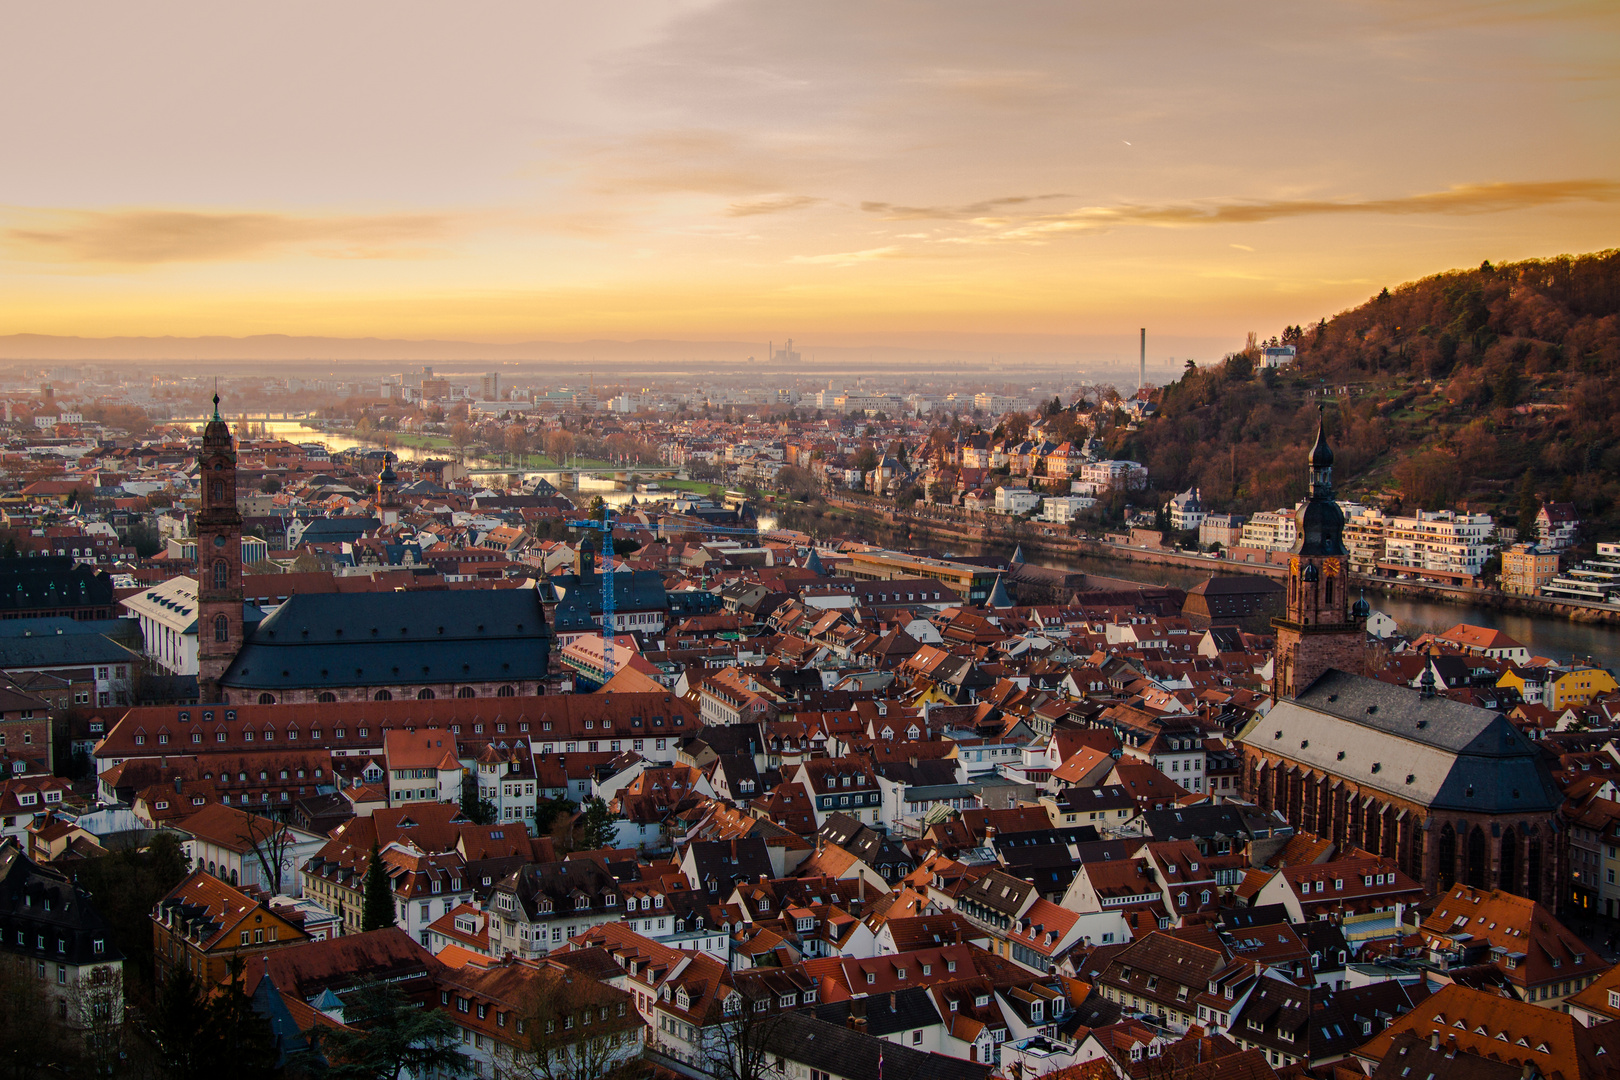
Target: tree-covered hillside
{"points": [[1488, 387]]}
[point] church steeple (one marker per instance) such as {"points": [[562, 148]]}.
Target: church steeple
{"points": [[1320, 521], [1321, 458], [387, 494], [1320, 630], [219, 558]]}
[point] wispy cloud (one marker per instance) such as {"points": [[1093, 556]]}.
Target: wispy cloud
{"points": [[893, 212], [1462, 199], [778, 205], [848, 258], [146, 237]]}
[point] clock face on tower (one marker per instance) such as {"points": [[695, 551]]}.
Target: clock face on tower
{"points": [[219, 541]]}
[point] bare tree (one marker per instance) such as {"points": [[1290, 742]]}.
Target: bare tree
{"points": [[740, 1041], [462, 436], [573, 1027], [517, 441], [559, 444], [271, 843], [95, 1006], [31, 1037]]}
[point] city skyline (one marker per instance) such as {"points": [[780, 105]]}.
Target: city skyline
{"points": [[855, 177]]}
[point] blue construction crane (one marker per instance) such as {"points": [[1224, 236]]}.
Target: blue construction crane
{"points": [[723, 530], [605, 527]]}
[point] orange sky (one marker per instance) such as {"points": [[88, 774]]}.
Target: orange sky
{"points": [[840, 172]]}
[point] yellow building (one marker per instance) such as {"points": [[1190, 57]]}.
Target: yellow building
{"points": [[1526, 568], [1578, 687]]}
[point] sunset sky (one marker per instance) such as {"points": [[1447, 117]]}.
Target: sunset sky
{"points": [[847, 173]]}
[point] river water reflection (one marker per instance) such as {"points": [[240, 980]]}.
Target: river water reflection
{"points": [[1559, 639]]}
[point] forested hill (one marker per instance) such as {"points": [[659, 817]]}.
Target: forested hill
{"points": [[1492, 387]]}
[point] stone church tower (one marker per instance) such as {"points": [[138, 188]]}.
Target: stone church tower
{"points": [[219, 559], [387, 495], [1320, 629]]}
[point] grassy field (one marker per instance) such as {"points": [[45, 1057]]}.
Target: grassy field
{"points": [[702, 487], [441, 443]]}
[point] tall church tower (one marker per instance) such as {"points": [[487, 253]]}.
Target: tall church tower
{"points": [[1321, 629], [219, 560], [387, 495]]}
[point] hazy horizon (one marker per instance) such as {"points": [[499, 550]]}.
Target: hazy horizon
{"points": [[900, 352]]}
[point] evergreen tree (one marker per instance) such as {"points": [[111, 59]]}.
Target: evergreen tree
{"points": [[242, 1043], [474, 807], [199, 1036], [1529, 506], [378, 909], [596, 827], [386, 1035]]}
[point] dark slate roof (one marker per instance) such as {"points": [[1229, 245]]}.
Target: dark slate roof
{"points": [[1049, 869], [1429, 750], [267, 1003], [886, 1014], [999, 892], [727, 739], [926, 772], [333, 530], [636, 590], [1372, 703], [52, 581], [1243, 918], [1205, 821], [852, 1055], [70, 928], [561, 882], [66, 650], [1411, 1055], [1321, 1023], [1325, 938], [866, 843], [998, 595], [124, 631], [728, 862], [1096, 1011], [360, 639]]}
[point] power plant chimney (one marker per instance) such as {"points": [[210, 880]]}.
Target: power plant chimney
{"points": [[1141, 379]]}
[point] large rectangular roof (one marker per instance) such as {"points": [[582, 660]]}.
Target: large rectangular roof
{"points": [[1428, 750]]}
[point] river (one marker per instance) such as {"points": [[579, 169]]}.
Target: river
{"points": [[1559, 639], [296, 431]]}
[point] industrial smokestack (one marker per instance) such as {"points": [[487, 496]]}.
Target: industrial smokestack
{"points": [[1141, 378]]}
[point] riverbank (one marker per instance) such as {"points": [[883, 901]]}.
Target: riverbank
{"points": [[1034, 538]]}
